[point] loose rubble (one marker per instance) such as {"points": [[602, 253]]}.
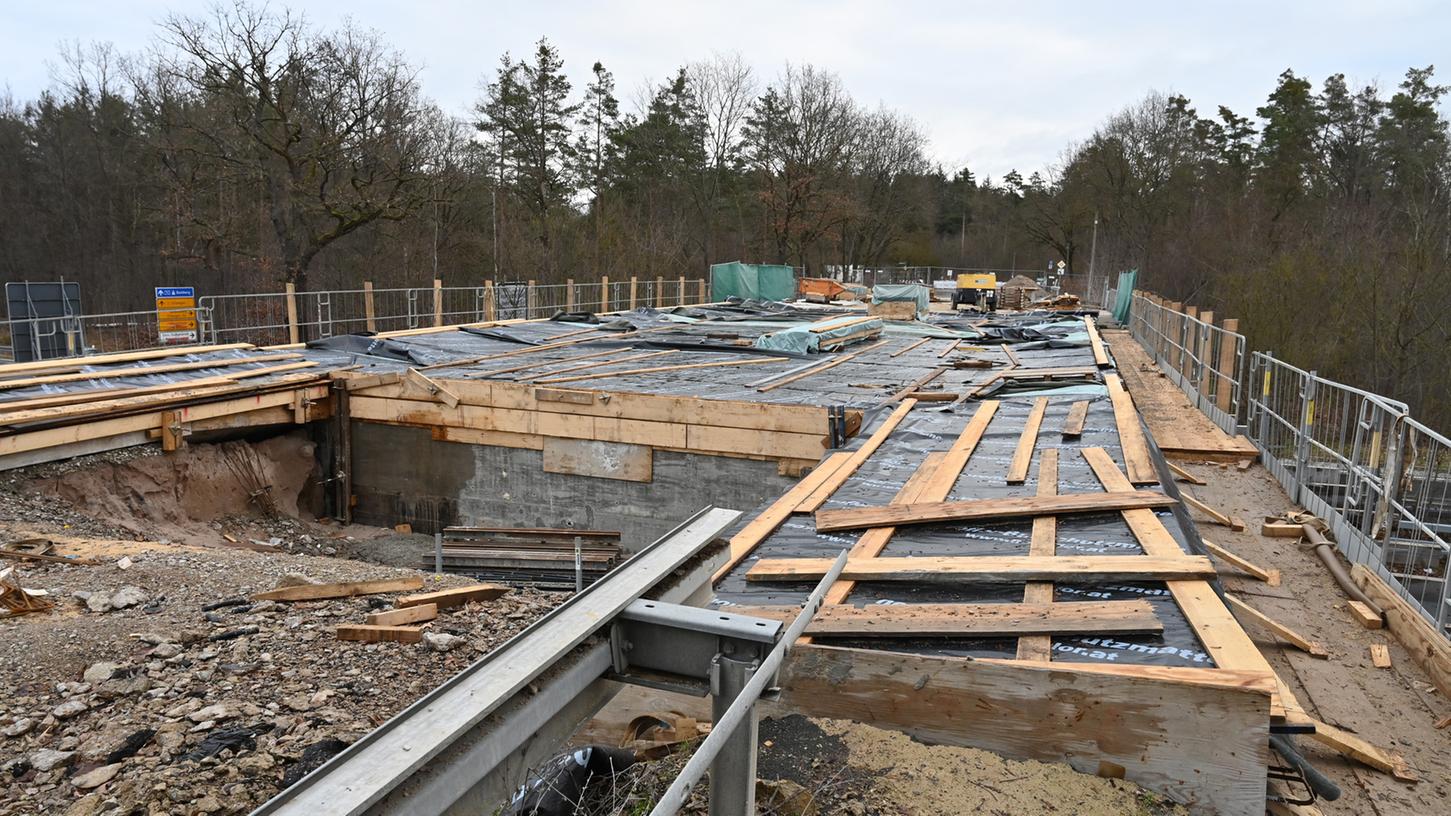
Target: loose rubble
{"points": [[129, 698]]}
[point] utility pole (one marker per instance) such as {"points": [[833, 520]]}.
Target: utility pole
{"points": [[1092, 256]]}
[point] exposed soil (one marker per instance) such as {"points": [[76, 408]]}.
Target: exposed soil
{"points": [[1394, 708]]}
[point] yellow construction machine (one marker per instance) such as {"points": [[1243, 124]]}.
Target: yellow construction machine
{"points": [[978, 289]]}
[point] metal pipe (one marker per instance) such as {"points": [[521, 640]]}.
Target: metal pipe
{"points": [[1326, 551], [725, 725]]}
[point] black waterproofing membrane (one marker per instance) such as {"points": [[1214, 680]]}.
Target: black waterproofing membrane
{"points": [[927, 430]]}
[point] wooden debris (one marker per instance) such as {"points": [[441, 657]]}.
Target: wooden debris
{"points": [[348, 589], [16, 600], [761, 527], [1297, 640], [1275, 528], [375, 634], [1184, 475], [398, 617], [1269, 576], [1100, 357], [987, 509], [1364, 615], [1217, 517], [1130, 433], [991, 569], [1027, 441], [1443, 722], [971, 620], [833, 482], [530, 556], [446, 598], [1380, 655], [1428, 648], [1073, 424]]}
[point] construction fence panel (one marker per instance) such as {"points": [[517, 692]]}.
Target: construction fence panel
{"points": [[1205, 361]]}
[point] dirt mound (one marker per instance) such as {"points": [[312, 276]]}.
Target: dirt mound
{"points": [[178, 496]]}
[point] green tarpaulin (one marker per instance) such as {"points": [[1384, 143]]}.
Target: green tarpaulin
{"points": [[1124, 295], [751, 281]]}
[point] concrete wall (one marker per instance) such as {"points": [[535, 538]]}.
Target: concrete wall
{"points": [[402, 474]]}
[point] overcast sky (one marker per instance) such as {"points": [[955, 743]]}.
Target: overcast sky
{"points": [[996, 85]]}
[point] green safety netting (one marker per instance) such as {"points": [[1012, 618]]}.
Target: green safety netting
{"points": [[1124, 295], [751, 281]]}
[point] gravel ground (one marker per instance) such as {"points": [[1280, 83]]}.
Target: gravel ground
{"points": [[140, 710]]}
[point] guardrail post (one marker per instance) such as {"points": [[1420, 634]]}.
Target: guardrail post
{"points": [[569, 295], [659, 292], [529, 301], [292, 336], [733, 773], [437, 302], [681, 290], [1175, 324], [634, 291], [1188, 344], [1228, 343], [1302, 443], [703, 298], [604, 294], [368, 311], [491, 310]]}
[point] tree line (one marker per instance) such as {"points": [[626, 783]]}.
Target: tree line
{"points": [[247, 148]]}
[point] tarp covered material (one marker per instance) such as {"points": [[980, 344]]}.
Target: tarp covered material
{"points": [[1125, 295], [806, 338], [903, 292], [751, 281]]}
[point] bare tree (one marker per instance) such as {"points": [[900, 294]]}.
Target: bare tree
{"points": [[331, 125], [724, 88]]}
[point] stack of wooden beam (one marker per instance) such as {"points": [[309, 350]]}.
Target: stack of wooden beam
{"points": [[541, 557], [863, 329]]}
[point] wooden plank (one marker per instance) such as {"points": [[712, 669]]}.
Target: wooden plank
{"points": [[376, 634], [842, 325], [141, 371], [599, 363], [292, 334], [1221, 635], [1273, 528], [415, 382], [990, 569], [346, 589], [1043, 544], [899, 352], [857, 457], [1196, 744], [804, 374], [1295, 639], [1427, 648], [1363, 751], [1269, 576], [1380, 655], [971, 620], [437, 302], [871, 543], [1214, 515], [1184, 475], [655, 369], [761, 527], [398, 617], [987, 509], [951, 347], [1364, 615], [1224, 391], [370, 317], [1027, 441], [1073, 424], [36, 367], [599, 460], [1130, 433], [1100, 356], [498, 439], [106, 404], [447, 598]]}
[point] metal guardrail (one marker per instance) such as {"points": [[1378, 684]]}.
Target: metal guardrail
{"points": [[1380, 479], [276, 318], [1206, 361]]}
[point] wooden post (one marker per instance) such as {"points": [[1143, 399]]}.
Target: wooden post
{"points": [[529, 301], [634, 291], [1227, 354], [292, 314], [659, 292], [703, 298], [491, 312], [1203, 350], [569, 294], [682, 290], [368, 311], [437, 302], [604, 294], [1186, 362]]}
